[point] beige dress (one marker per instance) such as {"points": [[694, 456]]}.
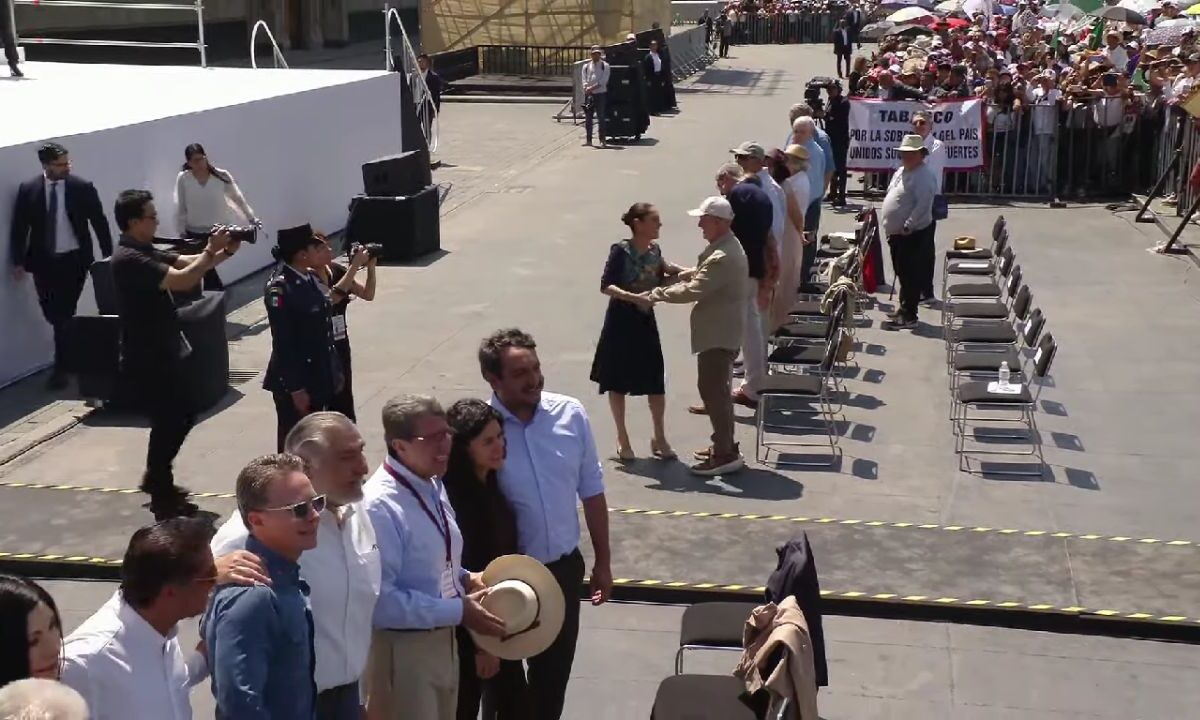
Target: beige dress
{"points": [[796, 190]]}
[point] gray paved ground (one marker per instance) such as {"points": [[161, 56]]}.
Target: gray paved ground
{"points": [[524, 245], [878, 669]]}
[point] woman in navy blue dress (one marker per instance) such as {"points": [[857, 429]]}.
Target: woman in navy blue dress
{"points": [[629, 359]]}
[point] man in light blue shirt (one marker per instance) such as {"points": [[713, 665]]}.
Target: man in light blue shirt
{"points": [[820, 170], [425, 592], [551, 465]]}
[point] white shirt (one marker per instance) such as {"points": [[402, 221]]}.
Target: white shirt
{"points": [[64, 236], [936, 159], [1118, 57], [1045, 109], [124, 669], [199, 207], [799, 187], [657, 61], [342, 573], [778, 204]]}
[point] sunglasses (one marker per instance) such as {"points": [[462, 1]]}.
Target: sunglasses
{"points": [[301, 509]]}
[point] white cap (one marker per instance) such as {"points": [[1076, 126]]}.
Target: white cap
{"points": [[715, 206]]}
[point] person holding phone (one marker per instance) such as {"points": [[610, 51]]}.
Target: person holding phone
{"points": [[340, 284]]}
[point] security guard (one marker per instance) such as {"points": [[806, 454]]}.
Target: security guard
{"points": [[303, 375]]}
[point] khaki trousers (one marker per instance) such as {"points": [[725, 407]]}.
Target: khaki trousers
{"points": [[714, 370], [412, 675]]}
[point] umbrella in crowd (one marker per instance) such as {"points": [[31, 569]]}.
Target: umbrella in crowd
{"points": [[900, 4], [1139, 6], [949, 6], [909, 14], [1062, 11], [1193, 10], [1179, 22], [1121, 14], [951, 24]]}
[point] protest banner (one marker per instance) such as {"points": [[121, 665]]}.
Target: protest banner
{"points": [[878, 126]]}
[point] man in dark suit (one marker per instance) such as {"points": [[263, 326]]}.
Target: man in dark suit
{"points": [[854, 23], [52, 241], [8, 36], [432, 80], [842, 45]]}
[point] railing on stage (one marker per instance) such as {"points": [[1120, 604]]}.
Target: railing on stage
{"points": [[277, 54], [197, 6], [541, 60], [426, 109]]}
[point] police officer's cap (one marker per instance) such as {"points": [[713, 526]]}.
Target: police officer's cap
{"points": [[290, 241]]}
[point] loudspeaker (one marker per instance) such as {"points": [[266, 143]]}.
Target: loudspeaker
{"points": [[104, 287], [95, 348], [407, 227], [397, 175]]}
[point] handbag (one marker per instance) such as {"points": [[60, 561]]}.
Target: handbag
{"points": [[941, 207]]}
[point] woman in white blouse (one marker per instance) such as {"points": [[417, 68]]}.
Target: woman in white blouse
{"points": [[797, 190], [206, 196]]}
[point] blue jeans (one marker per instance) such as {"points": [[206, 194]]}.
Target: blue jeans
{"points": [[808, 255], [597, 107]]}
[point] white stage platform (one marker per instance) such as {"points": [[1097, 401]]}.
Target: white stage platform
{"points": [[294, 139]]}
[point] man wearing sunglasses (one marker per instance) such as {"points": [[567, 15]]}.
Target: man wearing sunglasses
{"points": [[260, 638], [425, 591], [343, 569]]}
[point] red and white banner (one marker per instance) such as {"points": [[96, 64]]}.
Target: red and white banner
{"points": [[878, 126]]}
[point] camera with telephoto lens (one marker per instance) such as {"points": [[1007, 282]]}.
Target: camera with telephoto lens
{"points": [[239, 233], [374, 250], [812, 94]]}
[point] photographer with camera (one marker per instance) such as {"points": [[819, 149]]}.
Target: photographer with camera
{"points": [[339, 282], [304, 373], [205, 198], [152, 341]]}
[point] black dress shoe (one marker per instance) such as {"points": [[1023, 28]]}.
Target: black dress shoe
{"points": [[15, 71]]}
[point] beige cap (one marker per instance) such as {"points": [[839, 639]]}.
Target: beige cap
{"points": [[715, 206]]}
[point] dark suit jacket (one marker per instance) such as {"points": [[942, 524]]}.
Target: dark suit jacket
{"points": [[842, 46], [436, 85], [31, 249]]}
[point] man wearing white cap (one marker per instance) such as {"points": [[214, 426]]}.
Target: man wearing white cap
{"points": [[907, 219], [595, 93], [719, 286]]}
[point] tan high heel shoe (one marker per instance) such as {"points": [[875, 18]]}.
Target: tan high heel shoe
{"points": [[663, 452]]}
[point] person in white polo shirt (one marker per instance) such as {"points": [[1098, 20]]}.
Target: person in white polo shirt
{"points": [[343, 570]]}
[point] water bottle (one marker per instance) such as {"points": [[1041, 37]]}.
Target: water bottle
{"points": [[1004, 375]]}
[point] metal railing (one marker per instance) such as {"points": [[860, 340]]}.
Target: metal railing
{"points": [[197, 6], [541, 60], [1103, 148], [423, 103], [280, 62], [805, 26]]}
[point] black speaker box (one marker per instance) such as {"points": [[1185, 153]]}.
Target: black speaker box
{"points": [[407, 227], [397, 175], [103, 286]]}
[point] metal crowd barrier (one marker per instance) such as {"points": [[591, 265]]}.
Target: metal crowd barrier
{"points": [[1097, 149], [787, 28], [530, 59]]}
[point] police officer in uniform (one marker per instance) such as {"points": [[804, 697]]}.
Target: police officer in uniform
{"points": [[304, 374]]}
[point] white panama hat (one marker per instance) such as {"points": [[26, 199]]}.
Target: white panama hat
{"points": [[528, 599]]}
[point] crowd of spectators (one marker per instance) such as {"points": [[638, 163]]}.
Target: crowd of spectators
{"points": [[1067, 96]]}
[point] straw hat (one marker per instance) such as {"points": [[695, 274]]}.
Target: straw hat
{"points": [[797, 151], [913, 143], [528, 599], [965, 242]]}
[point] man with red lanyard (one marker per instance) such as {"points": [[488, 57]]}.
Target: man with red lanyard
{"points": [[425, 592]]}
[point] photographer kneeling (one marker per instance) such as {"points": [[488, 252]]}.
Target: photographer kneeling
{"points": [[339, 281], [303, 374]]}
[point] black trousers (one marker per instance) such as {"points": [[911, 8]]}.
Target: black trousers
{"points": [[724, 46], [929, 260], [339, 703], [550, 671], [504, 696], [841, 146], [343, 402], [842, 58], [908, 264], [170, 423], [8, 31], [59, 283]]}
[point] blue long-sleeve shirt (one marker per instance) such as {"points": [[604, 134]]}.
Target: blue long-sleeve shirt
{"points": [[412, 551], [820, 161], [260, 645], [551, 465]]}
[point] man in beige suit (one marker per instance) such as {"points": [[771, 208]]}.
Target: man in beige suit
{"points": [[720, 286]]}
